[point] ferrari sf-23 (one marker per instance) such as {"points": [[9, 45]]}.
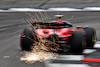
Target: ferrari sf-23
{"points": [[63, 33]]}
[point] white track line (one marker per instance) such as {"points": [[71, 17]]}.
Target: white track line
{"points": [[74, 9], [49, 64], [67, 65], [22, 10], [50, 9], [92, 8], [63, 9], [87, 51], [25, 9], [70, 57], [97, 45]]}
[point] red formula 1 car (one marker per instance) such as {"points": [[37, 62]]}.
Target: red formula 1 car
{"points": [[70, 38]]}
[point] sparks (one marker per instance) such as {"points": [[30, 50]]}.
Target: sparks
{"points": [[42, 50], [32, 57]]}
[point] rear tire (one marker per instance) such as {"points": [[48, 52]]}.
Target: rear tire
{"points": [[25, 40], [90, 37], [77, 41]]}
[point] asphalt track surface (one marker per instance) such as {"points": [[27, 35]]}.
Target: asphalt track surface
{"points": [[11, 25]]}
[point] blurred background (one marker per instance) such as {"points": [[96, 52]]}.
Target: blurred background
{"points": [[5, 4], [13, 19]]}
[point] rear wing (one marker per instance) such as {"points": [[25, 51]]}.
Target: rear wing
{"points": [[52, 25]]}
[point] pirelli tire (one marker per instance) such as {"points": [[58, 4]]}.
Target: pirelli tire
{"points": [[26, 39], [77, 41], [90, 37]]}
